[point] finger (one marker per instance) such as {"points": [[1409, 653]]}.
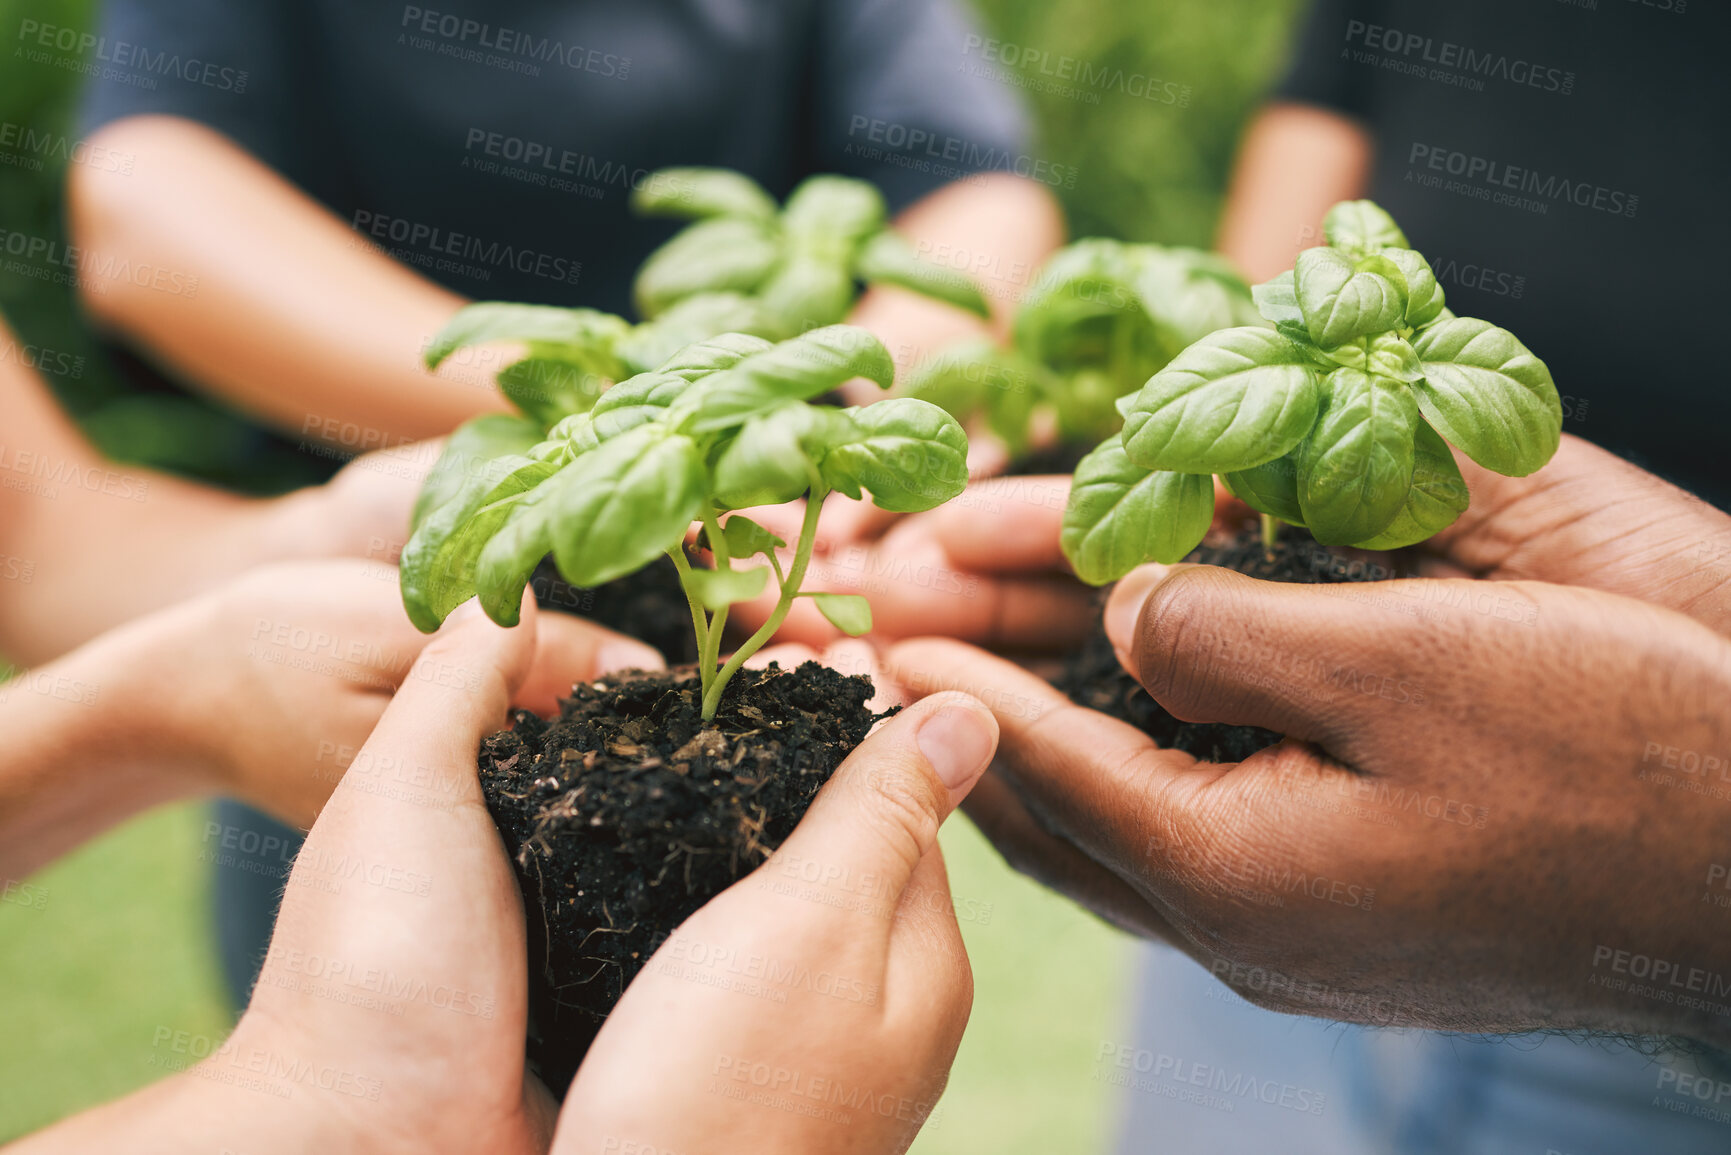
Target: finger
{"points": [[926, 978], [1322, 663], [1003, 525], [570, 650], [1079, 771], [879, 815], [1029, 849]]}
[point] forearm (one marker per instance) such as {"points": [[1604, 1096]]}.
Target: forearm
{"points": [[87, 745], [996, 228], [1296, 161], [295, 318]]}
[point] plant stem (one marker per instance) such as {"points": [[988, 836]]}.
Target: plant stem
{"points": [[789, 590], [1270, 535], [699, 619], [709, 646]]}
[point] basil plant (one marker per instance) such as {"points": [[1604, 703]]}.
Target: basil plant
{"points": [[786, 269], [1336, 414], [1101, 317], [721, 425]]}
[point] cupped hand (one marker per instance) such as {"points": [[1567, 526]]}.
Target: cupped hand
{"points": [[1497, 807], [1591, 519], [985, 568], [267, 688], [816, 1005]]}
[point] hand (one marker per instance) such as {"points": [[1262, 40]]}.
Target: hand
{"points": [[265, 689], [815, 1006], [985, 568], [1488, 816], [1591, 519], [391, 1010]]}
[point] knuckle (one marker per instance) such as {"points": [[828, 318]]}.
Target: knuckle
{"points": [[1176, 644], [900, 801]]}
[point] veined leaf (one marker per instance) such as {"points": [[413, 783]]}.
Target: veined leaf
{"points": [[1424, 296], [1340, 302], [1121, 515], [1270, 488], [697, 193], [635, 501], [1277, 300], [806, 291], [467, 451], [1438, 496], [1488, 395], [437, 570], [723, 351], [835, 212], [775, 456], [888, 259], [552, 383], [716, 255], [746, 538], [909, 454], [1362, 227], [1235, 399], [696, 318], [849, 613], [794, 370], [719, 588], [1384, 355], [487, 321], [1355, 468]]}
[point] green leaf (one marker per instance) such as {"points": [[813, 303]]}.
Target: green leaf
{"points": [[719, 588], [696, 193], [715, 255], [487, 321], [794, 370], [466, 454], [746, 538], [1424, 296], [635, 400], [887, 259], [1083, 311], [636, 500], [1362, 227], [723, 351], [696, 318], [1277, 300], [1270, 488], [834, 214], [1438, 496], [1121, 515], [955, 379], [1384, 355], [550, 388], [849, 613], [1235, 399], [1190, 293], [909, 454], [1340, 301], [437, 570], [806, 292], [577, 432], [1488, 395], [775, 455], [1356, 467]]}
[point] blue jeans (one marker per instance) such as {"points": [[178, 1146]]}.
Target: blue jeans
{"points": [[1209, 1074], [251, 854]]}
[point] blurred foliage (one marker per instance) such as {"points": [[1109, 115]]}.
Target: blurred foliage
{"points": [[1146, 170]]}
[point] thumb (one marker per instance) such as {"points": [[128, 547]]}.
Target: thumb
{"points": [[458, 690], [875, 821], [1316, 662]]}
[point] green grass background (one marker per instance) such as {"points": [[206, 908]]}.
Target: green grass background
{"points": [[120, 946]]}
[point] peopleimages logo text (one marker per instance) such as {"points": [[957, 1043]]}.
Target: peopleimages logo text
{"points": [[1524, 182], [461, 30], [1449, 55]]}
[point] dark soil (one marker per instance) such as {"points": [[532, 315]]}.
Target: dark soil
{"points": [[626, 813], [649, 605], [1094, 678]]}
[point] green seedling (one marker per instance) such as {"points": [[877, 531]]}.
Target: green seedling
{"points": [[1335, 415], [721, 425], [799, 265], [1100, 319]]}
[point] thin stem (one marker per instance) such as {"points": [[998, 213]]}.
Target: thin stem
{"points": [[699, 619], [789, 590], [710, 644], [1270, 535]]}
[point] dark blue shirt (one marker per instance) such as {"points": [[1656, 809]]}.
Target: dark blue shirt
{"points": [[493, 145], [1565, 167]]}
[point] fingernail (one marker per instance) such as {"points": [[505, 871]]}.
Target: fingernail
{"points": [[1124, 607], [627, 655], [958, 741]]}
